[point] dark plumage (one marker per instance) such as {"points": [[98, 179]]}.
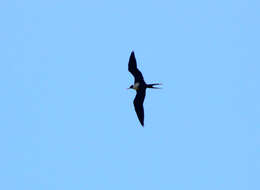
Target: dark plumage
{"points": [[132, 68], [140, 87]]}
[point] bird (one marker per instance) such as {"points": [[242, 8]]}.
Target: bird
{"points": [[140, 86]]}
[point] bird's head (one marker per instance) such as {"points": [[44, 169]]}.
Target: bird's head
{"points": [[131, 87], [135, 86]]}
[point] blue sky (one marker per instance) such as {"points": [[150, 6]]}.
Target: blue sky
{"points": [[67, 121]]}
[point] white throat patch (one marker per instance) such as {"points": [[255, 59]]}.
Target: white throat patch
{"points": [[136, 85]]}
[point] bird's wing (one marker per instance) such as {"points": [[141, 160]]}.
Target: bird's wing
{"points": [[132, 68], [138, 103]]}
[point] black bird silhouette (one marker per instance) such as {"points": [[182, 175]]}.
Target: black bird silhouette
{"points": [[140, 87]]}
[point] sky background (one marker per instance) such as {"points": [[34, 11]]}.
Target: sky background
{"points": [[67, 122]]}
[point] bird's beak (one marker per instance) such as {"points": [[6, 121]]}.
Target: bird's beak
{"points": [[127, 88]]}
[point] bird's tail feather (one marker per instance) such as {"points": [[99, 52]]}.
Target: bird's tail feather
{"points": [[153, 85]]}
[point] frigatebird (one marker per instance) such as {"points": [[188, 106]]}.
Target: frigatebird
{"points": [[140, 86]]}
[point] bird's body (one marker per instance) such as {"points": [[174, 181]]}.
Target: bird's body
{"points": [[140, 86]]}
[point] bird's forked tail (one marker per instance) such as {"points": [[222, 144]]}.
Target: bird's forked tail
{"points": [[153, 85]]}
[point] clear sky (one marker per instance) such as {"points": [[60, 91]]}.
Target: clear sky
{"points": [[67, 122]]}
